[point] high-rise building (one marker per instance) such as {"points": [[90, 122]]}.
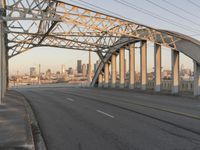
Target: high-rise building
{"points": [[87, 68], [70, 71], [84, 70], [48, 74], [33, 72], [79, 66], [63, 69]]}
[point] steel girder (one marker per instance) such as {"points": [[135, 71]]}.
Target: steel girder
{"points": [[32, 23]]}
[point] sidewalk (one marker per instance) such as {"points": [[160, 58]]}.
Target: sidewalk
{"points": [[15, 128]]}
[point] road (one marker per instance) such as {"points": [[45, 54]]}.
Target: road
{"points": [[110, 119]]}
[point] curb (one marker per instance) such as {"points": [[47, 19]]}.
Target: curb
{"points": [[152, 92], [38, 139]]}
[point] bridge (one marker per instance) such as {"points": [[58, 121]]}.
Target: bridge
{"points": [[37, 23], [107, 117]]}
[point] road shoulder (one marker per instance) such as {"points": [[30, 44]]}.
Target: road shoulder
{"points": [[19, 128]]}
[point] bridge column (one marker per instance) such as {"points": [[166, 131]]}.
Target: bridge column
{"points": [[4, 61], [143, 65], [7, 73], [100, 80], [132, 66], [196, 79], [113, 70], [2, 55], [157, 66], [106, 75], [1, 68], [175, 72], [121, 67]]}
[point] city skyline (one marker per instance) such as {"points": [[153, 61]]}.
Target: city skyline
{"points": [[17, 64], [34, 70]]}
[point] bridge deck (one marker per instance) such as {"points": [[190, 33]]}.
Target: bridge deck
{"points": [[78, 118]]}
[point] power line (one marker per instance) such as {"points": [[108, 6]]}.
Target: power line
{"points": [[97, 8], [104, 10], [154, 15], [146, 12], [155, 4], [195, 35], [194, 3], [185, 11]]}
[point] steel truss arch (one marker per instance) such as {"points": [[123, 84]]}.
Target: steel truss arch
{"points": [[33, 23], [39, 22]]}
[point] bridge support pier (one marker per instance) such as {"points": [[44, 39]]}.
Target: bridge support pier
{"points": [[122, 67], [132, 66], [175, 72], [3, 58], [100, 82], [113, 71], [157, 67], [4, 63], [106, 75], [3, 74], [196, 79], [1, 64], [143, 65]]}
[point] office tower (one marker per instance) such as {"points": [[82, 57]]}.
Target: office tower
{"points": [[84, 70], [79, 66], [33, 72]]}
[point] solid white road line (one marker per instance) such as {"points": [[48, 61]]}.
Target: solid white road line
{"points": [[69, 99], [104, 113]]}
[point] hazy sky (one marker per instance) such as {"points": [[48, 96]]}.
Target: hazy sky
{"points": [[184, 13]]}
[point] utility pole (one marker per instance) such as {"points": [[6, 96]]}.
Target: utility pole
{"points": [[89, 69], [39, 72]]}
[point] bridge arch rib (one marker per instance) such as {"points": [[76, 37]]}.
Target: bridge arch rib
{"points": [[54, 23]]}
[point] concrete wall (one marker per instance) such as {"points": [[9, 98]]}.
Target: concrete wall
{"points": [[167, 85]]}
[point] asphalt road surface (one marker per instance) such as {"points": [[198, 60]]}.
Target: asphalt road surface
{"points": [[110, 119]]}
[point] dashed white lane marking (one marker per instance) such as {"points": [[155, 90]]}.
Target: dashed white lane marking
{"points": [[104, 113], [28, 146], [69, 99]]}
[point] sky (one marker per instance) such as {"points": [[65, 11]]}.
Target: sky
{"points": [[184, 16]]}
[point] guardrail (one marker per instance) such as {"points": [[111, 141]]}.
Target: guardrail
{"points": [[55, 85], [165, 85]]}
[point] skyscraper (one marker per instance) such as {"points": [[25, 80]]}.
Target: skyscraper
{"points": [[79, 66], [70, 71], [33, 72], [63, 69], [87, 68], [48, 74], [84, 70]]}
